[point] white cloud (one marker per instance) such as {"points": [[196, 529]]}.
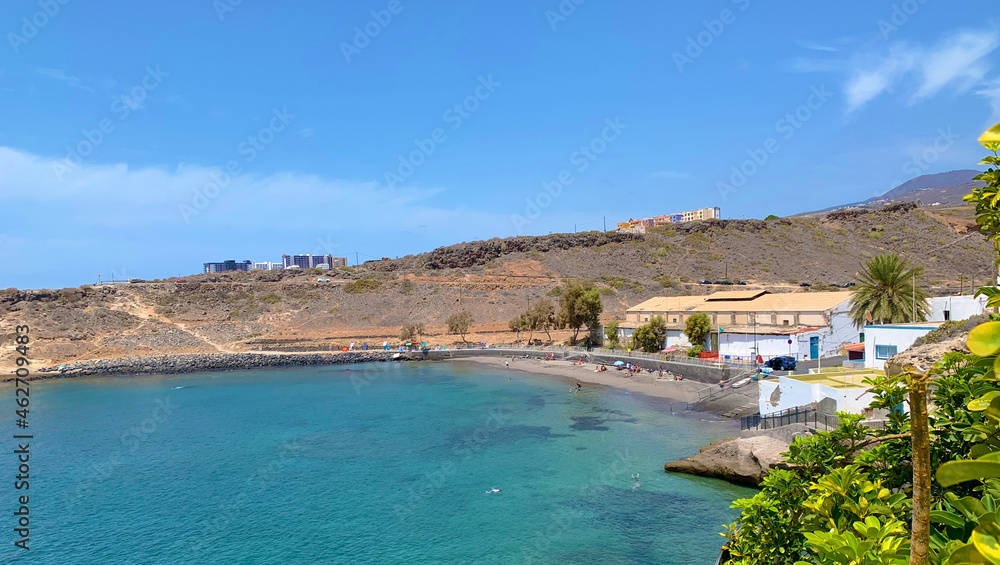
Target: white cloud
{"points": [[121, 196], [959, 59], [958, 62], [673, 175], [991, 92], [817, 46], [867, 84], [61, 76]]}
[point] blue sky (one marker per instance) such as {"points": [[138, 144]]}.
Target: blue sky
{"points": [[143, 140]]}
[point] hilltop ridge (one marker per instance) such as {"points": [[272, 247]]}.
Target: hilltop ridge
{"points": [[493, 279]]}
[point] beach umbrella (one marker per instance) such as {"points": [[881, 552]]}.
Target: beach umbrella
{"points": [[617, 363]]}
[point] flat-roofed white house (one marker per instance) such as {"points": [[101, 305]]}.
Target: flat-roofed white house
{"points": [[884, 341], [746, 323]]}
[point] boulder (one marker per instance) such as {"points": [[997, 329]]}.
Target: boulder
{"points": [[743, 461]]}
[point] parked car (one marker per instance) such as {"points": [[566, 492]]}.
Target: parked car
{"points": [[741, 283], [182, 281], [804, 284], [849, 285], [704, 282], [781, 363], [728, 283], [321, 279]]}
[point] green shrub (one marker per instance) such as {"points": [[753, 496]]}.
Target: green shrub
{"points": [[272, 298], [362, 286]]}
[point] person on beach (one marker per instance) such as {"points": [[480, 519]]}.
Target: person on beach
{"points": [[507, 364], [722, 384], [578, 387]]}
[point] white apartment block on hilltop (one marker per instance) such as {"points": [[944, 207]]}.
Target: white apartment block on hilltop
{"points": [[639, 226]]}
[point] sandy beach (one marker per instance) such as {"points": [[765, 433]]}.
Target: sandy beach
{"points": [[646, 383]]}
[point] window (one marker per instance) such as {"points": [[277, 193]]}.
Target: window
{"points": [[947, 315], [884, 351], [785, 321], [675, 320], [732, 318]]}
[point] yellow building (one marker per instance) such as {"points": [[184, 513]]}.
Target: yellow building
{"points": [[750, 322]]}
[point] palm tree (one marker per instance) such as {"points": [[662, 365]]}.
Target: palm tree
{"points": [[887, 291]]}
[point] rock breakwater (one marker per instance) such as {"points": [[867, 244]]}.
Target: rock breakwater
{"points": [[189, 363]]}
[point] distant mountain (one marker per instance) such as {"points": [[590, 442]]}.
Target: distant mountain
{"points": [[948, 180], [939, 189]]}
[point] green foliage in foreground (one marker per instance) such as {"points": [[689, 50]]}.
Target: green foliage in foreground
{"points": [[857, 496]]}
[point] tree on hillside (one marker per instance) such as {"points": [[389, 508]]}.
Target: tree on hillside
{"points": [[542, 317], [611, 332], [697, 329], [459, 323], [887, 291], [516, 325], [412, 332], [579, 306], [649, 337]]}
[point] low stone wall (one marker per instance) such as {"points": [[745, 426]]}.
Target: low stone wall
{"points": [[701, 373]]}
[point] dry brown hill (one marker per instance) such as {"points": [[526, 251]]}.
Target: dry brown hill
{"points": [[494, 280]]}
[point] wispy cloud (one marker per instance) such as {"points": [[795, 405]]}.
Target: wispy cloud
{"points": [[817, 46], [869, 82], [959, 60], [959, 63], [61, 76], [673, 175], [991, 92]]}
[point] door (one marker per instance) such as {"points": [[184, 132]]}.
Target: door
{"points": [[814, 347]]}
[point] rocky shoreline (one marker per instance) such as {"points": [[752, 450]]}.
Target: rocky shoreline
{"points": [[190, 363], [742, 460]]}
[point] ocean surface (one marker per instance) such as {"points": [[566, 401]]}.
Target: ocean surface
{"points": [[381, 463]]}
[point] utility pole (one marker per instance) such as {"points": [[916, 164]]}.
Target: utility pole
{"points": [[961, 283], [356, 260], [913, 315], [605, 223]]}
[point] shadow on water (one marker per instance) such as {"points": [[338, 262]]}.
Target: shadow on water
{"points": [[486, 437]]}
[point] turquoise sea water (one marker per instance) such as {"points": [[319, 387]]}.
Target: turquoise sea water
{"points": [[382, 463]]}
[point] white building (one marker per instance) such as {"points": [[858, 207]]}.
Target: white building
{"points": [[746, 323], [846, 388], [944, 308], [884, 341], [267, 266]]}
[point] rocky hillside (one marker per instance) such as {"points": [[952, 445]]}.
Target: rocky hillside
{"points": [[494, 280]]}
